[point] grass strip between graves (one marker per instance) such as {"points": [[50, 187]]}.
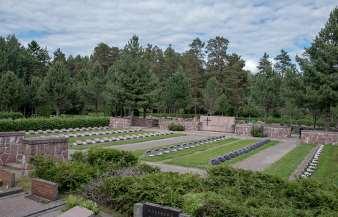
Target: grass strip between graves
{"points": [[328, 164], [123, 142], [289, 162], [184, 152], [201, 158]]}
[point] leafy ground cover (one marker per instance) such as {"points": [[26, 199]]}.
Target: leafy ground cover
{"points": [[289, 162], [328, 165]]}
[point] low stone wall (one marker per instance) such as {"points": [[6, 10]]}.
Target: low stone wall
{"points": [[243, 129], [10, 146], [56, 148], [45, 189], [190, 124], [119, 122], [144, 122], [318, 137], [277, 131], [7, 178]]}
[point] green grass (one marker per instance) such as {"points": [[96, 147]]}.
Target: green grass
{"points": [[201, 158], [82, 138], [184, 152], [328, 165], [81, 147], [289, 162]]}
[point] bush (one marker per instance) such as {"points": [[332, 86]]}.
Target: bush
{"points": [[72, 201], [176, 127], [257, 131], [69, 175], [51, 123], [102, 156], [11, 115]]}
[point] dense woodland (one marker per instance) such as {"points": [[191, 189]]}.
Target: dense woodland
{"points": [[205, 79]]}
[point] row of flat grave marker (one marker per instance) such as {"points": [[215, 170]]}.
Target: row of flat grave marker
{"points": [[313, 163], [238, 152], [120, 138], [65, 130], [182, 146], [95, 133]]}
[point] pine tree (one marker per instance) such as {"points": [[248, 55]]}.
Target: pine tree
{"points": [[320, 69]]}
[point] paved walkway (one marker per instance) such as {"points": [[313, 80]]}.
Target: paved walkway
{"points": [[264, 158]]}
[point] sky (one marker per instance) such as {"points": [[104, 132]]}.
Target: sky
{"points": [[252, 26]]}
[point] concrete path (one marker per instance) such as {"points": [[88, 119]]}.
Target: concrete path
{"points": [[178, 169], [264, 158]]}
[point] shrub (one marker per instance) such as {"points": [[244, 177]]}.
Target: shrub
{"points": [[51, 123], [101, 156], [69, 175], [11, 115], [176, 127], [257, 131], [120, 193], [73, 200]]}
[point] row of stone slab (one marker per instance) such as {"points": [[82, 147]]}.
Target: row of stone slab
{"points": [[120, 138], [182, 146], [95, 133], [65, 130], [313, 163], [238, 152]]}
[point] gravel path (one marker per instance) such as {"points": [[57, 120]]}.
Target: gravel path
{"points": [[264, 158], [178, 169]]}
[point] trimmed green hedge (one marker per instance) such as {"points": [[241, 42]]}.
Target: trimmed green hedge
{"points": [[11, 115], [176, 127], [51, 123]]}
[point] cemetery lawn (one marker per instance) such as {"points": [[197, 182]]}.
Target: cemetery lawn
{"points": [[71, 140], [328, 164], [201, 158], [288, 163], [123, 142], [184, 152]]}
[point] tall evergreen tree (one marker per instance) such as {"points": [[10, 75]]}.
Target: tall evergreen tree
{"points": [[11, 92], [320, 69]]}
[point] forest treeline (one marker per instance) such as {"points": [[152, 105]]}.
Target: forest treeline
{"points": [[205, 79]]}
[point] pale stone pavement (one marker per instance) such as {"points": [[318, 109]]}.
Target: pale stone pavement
{"points": [[264, 158]]}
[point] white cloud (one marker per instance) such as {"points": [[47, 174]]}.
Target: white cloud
{"points": [[251, 65], [252, 26]]}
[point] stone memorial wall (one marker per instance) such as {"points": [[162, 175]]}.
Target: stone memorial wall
{"points": [[10, 147], [13, 147], [56, 148], [144, 122], [119, 122], [218, 123], [190, 124], [318, 137], [277, 131], [243, 129]]}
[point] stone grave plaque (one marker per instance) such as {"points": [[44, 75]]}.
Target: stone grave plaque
{"points": [[155, 210]]}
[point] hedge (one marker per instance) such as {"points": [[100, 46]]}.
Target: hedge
{"points": [[225, 192], [11, 115], [51, 123]]}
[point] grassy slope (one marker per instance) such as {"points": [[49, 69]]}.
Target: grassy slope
{"points": [[328, 164], [81, 147], [289, 162], [201, 158]]}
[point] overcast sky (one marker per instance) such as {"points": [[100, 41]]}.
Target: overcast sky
{"points": [[252, 26]]}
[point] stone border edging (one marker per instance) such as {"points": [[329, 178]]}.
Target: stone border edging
{"points": [[302, 166]]}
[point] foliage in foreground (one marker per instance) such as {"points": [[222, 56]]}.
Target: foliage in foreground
{"points": [[225, 192], [11, 115], [176, 127], [51, 123], [71, 175], [73, 200]]}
